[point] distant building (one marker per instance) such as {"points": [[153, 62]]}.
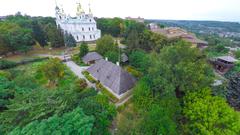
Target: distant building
{"points": [[176, 32], [113, 77], [91, 58], [2, 18], [153, 26], [83, 27], [224, 63], [139, 19]]}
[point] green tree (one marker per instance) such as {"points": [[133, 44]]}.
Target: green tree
{"points": [[113, 56], [103, 112], [207, 114], [3, 45], [55, 36], [53, 71], [110, 26], [7, 90], [157, 121], [233, 92], [106, 44], [158, 113], [38, 33], [75, 122], [83, 49], [15, 37], [139, 60], [133, 40], [237, 54], [177, 65], [69, 40]]}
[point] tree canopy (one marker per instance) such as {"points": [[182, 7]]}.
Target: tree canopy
{"points": [[75, 122], [207, 114], [83, 49]]}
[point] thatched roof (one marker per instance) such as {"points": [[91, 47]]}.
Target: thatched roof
{"points": [[91, 56], [228, 59], [112, 76]]}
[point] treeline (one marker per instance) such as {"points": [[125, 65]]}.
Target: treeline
{"points": [[19, 33], [117, 27]]}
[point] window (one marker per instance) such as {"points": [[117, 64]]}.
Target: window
{"points": [[90, 20], [94, 36], [92, 29], [90, 36], [83, 36], [82, 29], [77, 37], [89, 29]]}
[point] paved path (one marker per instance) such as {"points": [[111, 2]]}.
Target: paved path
{"points": [[77, 70], [123, 102]]}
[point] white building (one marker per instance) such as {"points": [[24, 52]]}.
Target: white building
{"points": [[83, 27]]}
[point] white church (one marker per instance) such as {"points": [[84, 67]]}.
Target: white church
{"points": [[83, 27]]}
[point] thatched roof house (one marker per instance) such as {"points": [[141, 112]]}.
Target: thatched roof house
{"points": [[91, 58], [113, 77]]}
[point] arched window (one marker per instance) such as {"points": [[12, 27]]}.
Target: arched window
{"points": [[82, 29], [94, 36], [83, 36], [90, 36], [77, 37], [89, 29], [92, 29]]}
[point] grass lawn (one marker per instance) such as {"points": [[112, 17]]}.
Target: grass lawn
{"points": [[29, 72], [91, 46]]}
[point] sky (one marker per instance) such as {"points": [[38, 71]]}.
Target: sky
{"points": [[221, 10]]}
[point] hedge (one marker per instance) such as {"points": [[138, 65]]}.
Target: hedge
{"points": [[89, 77], [5, 64]]}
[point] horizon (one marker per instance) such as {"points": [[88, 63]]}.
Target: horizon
{"points": [[226, 11]]}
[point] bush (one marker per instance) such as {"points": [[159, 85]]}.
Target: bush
{"points": [[104, 91], [81, 84], [5, 74], [5, 64], [237, 54], [89, 77], [133, 71], [78, 60]]}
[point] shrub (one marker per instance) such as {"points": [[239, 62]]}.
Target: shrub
{"points": [[89, 77], [104, 91], [78, 60], [81, 84], [133, 71], [5, 64], [237, 54], [5, 74]]}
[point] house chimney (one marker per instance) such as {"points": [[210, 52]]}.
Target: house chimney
{"points": [[118, 64], [106, 58]]}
